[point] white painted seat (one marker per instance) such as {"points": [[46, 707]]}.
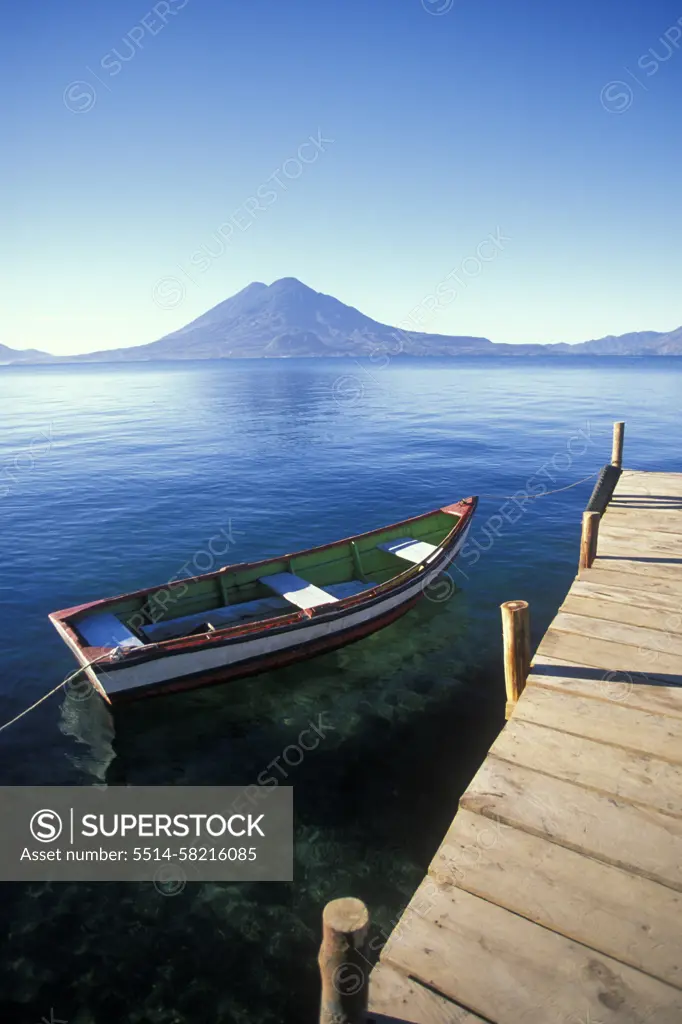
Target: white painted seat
{"points": [[103, 629], [410, 550], [297, 591]]}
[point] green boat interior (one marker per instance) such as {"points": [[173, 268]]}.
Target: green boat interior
{"points": [[247, 594]]}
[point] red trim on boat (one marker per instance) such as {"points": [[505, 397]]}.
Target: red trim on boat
{"points": [[289, 622], [463, 508], [264, 663]]}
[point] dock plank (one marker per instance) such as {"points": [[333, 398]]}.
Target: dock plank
{"points": [[649, 484], [668, 521], [641, 566], [611, 656], [635, 585], [614, 539], [393, 993], [663, 618], [623, 915], [607, 720], [627, 774], [514, 971], [638, 839], [660, 641], [619, 688], [627, 593]]}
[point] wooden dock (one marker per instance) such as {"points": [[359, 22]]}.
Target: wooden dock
{"points": [[556, 895]]}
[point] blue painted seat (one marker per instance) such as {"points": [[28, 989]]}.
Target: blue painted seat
{"points": [[349, 589], [229, 615], [234, 614], [104, 630]]}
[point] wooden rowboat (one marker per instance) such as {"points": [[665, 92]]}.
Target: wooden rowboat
{"points": [[244, 619]]}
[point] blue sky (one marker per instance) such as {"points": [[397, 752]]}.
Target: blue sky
{"points": [[160, 158]]}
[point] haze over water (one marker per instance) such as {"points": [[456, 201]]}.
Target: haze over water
{"points": [[115, 477]]}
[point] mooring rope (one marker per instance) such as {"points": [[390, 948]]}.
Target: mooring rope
{"points": [[542, 494], [64, 682]]}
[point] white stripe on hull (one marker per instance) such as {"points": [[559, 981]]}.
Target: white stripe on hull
{"points": [[209, 659]]}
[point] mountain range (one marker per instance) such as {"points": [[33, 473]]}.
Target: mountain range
{"points": [[287, 319], [27, 355]]}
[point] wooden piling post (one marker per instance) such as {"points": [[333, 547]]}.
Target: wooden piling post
{"points": [[617, 453], [516, 637], [588, 540], [343, 968]]}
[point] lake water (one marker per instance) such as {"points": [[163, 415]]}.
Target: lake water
{"points": [[113, 478]]}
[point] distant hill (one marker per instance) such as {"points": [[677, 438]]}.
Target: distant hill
{"points": [[640, 343], [289, 319], [29, 355]]}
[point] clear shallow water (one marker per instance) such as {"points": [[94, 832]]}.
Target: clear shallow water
{"points": [[113, 478]]}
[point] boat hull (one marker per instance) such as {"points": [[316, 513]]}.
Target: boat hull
{"points": [[249, 656], [257, 664], [206, 647]]}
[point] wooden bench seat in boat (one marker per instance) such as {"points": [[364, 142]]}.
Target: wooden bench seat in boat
{"points": [[349, 589], [297, 591], [105, 630], [410, 550], [232, 614], [256, 616]]}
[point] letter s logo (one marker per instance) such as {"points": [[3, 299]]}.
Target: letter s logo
{"points": [[46, 826]]}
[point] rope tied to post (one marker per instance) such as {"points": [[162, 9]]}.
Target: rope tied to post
{"points": [[542, 494]]}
